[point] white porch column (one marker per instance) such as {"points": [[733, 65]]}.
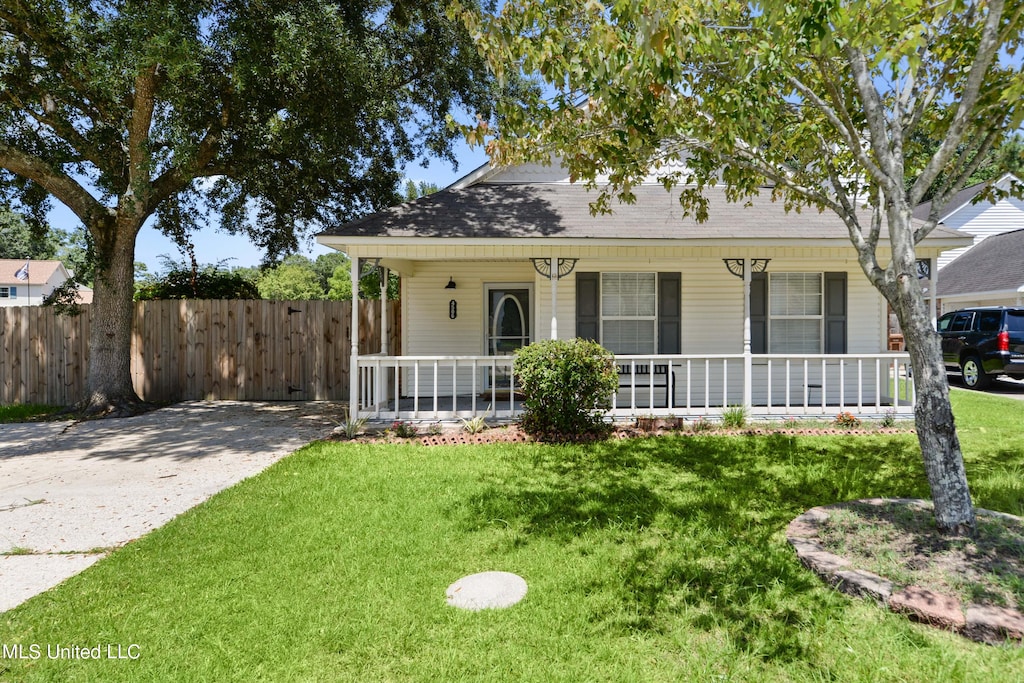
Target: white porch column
{"points": [[384, 275], [748, 365], [353, 369], [933, 277], [553, 277]]}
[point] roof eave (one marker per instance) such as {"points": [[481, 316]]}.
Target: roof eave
{"points": [[338, 241]]}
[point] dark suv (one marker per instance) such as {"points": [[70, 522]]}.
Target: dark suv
{"points": [[983, 342]]}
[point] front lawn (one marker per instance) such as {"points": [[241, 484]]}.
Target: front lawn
{"points": [[654, 559]]}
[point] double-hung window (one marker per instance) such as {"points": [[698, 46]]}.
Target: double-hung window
{"points": [[8, 292], [629, 312], [795, 313]]}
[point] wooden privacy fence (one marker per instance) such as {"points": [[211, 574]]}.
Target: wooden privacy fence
{"points": [[196, 349]]}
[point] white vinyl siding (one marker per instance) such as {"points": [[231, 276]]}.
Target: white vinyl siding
{"points": [[795, 313], [982, 220], [712, 298], [628, 312]]}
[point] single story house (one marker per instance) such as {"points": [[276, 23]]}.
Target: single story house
{"points": [[989, 274], [27, 283], [754, 307]]}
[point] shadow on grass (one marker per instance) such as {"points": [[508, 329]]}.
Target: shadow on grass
{"points": [[691, 526]]}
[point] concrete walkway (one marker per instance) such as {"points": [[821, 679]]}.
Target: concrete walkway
{"points": [[72, 491]]}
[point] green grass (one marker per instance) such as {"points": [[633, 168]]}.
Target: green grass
{"points": [[647, 560], [27, 412]]}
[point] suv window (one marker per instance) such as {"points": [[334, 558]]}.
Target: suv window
{"points": [[990, 321], [1015, 321], [944, 321], [962, 321]]}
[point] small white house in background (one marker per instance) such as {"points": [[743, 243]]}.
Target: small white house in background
{"points": [[979, 220], [989, 274], [754, 307], [26, 283]]}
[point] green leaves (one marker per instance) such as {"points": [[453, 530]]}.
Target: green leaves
{"points": [[567, 385]]}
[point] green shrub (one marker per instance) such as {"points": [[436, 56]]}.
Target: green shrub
{"points": [[847, 421], [474, 425], [702, 424], [403, 430], [734, 417], [567, 386]]}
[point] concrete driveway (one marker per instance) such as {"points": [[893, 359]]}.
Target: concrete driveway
{"points": [[1001, 386], [72, 491]]}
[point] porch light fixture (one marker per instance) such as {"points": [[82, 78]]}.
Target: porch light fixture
{"points": [[451, 283]]}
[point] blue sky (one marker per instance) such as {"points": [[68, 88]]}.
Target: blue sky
{"points": [[213, 246]]}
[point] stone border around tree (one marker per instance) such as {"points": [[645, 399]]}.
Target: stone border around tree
{"points": [[985, 624]]}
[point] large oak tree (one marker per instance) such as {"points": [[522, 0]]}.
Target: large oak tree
{"points": [[271, 116], [829, 100]]}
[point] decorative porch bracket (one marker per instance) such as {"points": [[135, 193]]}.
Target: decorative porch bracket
{"points": [[736, 266], [374, 266], [565, 266]]}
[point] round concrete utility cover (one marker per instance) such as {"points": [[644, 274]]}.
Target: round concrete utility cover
{"points": [[487, 590]]}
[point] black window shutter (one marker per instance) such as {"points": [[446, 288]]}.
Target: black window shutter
{"points": [[759, 313], [670, 329], [835, 312], [588, 289]]}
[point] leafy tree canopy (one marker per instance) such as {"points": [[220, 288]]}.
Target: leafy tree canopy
{"points": [[182, 280], [288, 282], [415, 190], [273, 117], [18, 240]]}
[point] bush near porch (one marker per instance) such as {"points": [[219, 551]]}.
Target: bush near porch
{"points": [[566, 386]]}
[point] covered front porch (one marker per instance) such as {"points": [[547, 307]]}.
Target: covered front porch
{"points": [[457, 364]]}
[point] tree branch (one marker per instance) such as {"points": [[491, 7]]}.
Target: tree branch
{"points": [[849, 133], [874, 112], [57, 183], [988, 47]]}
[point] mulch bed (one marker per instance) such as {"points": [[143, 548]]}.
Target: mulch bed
{"points": [[513, 434]]}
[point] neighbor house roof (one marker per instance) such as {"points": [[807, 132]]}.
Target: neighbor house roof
{"points": [[961, 198], [993, 265], [38, 271], [560, 210]]}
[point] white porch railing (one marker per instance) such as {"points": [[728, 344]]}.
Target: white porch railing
{"points": [[445, 387]]}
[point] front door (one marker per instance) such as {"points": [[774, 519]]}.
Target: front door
{"points": [[509, 321]]}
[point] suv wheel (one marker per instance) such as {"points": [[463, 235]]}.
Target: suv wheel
{"points": [[973, 374]]}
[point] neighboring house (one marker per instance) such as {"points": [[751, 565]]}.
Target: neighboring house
{"points": [[980, 220], [754, 307], [989, 274], [26, 283]]}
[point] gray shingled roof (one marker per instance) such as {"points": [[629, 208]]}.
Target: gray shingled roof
{"points": [[561, 210], [993, 265], [965, 195]]}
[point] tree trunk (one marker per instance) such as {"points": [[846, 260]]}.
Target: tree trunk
{"points": [[936, 431], [110, 382]]}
